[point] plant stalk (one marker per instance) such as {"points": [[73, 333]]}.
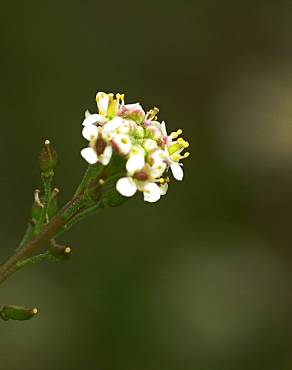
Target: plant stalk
{"points": [[39, 241]]}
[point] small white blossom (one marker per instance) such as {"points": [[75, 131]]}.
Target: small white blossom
{"points": [[138, 137], [91, 154], [122, 144]]}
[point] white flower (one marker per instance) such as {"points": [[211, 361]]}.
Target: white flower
{"points": [[111, 128], [174, 149], [149, 151], [140, 177], [127, 186], [122, 144], [108, 105], [97, 151]]}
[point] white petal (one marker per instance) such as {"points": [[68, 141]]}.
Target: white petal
{"points": [[102, 100], [163, 128], [106, 155], [158, 156], [126, 186], [177, 171], [133, 106], [90, 132], [93, 119], [89, 155], [112, 125], [87, 113], [163, 188], [151, 192], [135, 163]]}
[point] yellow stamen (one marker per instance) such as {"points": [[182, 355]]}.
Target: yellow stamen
{"points": [[120, 98], [112, 106], [176, 134], [186, 155], [152, 114], [183, 143], [101, 181]]}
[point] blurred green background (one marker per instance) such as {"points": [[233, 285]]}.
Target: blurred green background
{"points": [[202, 280]]}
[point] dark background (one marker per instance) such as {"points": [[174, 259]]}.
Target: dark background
{"points": [[202, 280]]}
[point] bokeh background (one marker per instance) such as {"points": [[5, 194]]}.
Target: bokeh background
{"points": [[202, 280]]}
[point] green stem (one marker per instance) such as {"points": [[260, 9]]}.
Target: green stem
{"points": [[29, 232], [92, 172], [47, 182], [39, 241], [79, 217]]}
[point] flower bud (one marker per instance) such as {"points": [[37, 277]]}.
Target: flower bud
{"points": [[153, 132], [12, 312], [133, 112], [149, 144], [122, 144], [139, 132], [47, 158], [60, 251]]}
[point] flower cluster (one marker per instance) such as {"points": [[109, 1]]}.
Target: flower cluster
{"points": [[148, 149]]}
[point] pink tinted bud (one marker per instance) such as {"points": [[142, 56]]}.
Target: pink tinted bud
{"points": [[132, 111], [154, 132]]}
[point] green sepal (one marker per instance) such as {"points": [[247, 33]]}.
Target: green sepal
{"points": [[13, 312]]}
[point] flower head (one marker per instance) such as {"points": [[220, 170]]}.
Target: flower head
{"points": [[127, 131]]}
